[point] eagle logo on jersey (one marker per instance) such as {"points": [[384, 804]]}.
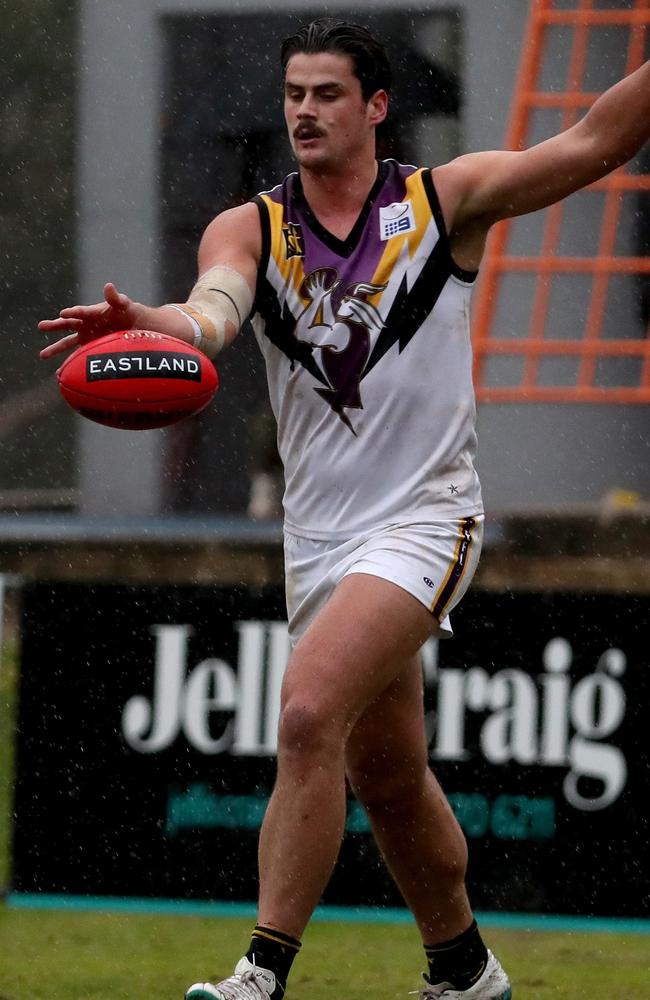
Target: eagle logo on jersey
{"points": [[339, 337], [294, 243], [343, 334]]}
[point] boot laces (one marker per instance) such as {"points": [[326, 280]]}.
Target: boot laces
{"points": [[429, 992], [242, 986]]}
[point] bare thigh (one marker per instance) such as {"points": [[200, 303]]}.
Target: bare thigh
{"points": [[355, 648]]}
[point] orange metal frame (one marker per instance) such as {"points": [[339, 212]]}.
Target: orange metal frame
{"points": [[534, 345]]}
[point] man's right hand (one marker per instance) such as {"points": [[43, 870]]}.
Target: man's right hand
{"points": [[116, 312]]}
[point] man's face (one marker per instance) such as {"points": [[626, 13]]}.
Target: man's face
{"points": [[328, 120]]}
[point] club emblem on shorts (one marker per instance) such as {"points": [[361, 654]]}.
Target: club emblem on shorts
{"points": [[294, 243]]}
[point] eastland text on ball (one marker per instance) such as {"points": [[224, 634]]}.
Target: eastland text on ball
{"points": [[142, 365]]}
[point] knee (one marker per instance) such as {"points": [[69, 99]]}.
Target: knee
{"points": [[306, 729]]}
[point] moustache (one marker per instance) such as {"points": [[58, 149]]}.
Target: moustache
{"points": [[307, 132]]}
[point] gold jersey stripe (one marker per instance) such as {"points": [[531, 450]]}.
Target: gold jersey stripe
{"points": [[292, 270], [416, 194]]}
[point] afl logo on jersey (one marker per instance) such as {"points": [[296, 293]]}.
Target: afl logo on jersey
{"points": [[396, 220], [294, 243]]}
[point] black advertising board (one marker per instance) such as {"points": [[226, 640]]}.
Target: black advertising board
{"points": [[146, 743]]}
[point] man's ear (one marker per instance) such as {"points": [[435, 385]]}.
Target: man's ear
{"points": [[378, 107]]}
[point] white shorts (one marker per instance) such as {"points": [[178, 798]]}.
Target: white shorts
{"points": [[433, 561]]}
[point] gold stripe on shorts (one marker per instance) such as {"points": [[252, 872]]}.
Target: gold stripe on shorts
{"points": [[456, 569]]}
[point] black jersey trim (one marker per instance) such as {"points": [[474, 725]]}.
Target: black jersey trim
{"points": [[265, 225], [434, 202], [344, 248], [280, 323], [279, 329], [411, 308]]}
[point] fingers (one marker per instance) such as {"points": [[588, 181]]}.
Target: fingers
{"points": [[59, 346], [73, 317], [114, 298], [87, 322], [50, 325], [93, 312]]}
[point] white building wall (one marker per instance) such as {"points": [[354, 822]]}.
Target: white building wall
{"points": [[531, 455]]}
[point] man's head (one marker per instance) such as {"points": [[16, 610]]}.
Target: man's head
{"points": [[368, 55], [336, 80]]}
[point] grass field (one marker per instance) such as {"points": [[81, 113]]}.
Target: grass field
{"points": [[50, 955]]}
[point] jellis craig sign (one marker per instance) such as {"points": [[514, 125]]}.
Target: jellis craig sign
{"points": [[147, 740]]}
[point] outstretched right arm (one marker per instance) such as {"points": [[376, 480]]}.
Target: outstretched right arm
{"points": [[229, 256]]}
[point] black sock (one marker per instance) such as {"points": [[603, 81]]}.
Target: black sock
{"points": [[275, 951], [459, 961]]}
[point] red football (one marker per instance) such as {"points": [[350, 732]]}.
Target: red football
{"points": [[137, 379]]}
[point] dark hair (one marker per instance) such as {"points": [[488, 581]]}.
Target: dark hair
{"points": [[369, 58]]}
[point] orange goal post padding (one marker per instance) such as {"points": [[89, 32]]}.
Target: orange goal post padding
{"points": [[596, 342]]}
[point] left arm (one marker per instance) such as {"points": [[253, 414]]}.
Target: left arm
{"points": [[481, 188]]}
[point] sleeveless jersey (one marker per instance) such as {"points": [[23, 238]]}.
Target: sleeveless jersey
{"points": [[368, 358]]}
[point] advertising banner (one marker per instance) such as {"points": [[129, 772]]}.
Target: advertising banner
{"points": [[147, 740]]}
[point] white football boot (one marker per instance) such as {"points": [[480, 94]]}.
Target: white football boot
{"points": [[492, 985], [248, 982]]}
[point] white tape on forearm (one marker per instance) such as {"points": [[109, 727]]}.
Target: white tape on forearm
{"points": [[209, 334], [196, 329], [222, 294]]}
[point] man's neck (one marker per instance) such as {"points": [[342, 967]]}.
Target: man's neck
{"points": [[330, 194]]}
